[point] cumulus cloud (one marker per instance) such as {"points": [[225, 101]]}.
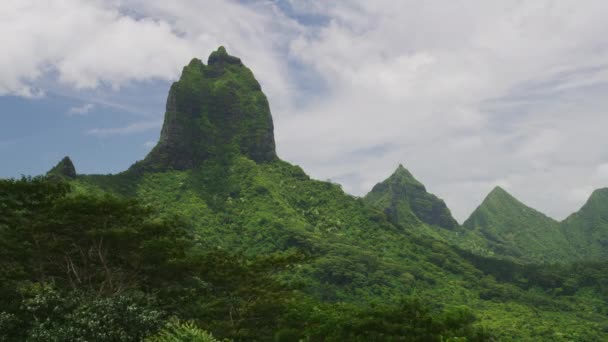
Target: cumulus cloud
{"points": [[466, 94], [86, 43]]}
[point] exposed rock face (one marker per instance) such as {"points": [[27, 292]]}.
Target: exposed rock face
{"points": [[213, 111], [65, 169], [406, 200]]}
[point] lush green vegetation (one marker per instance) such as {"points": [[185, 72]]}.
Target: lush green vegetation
{"points": [[500, 227], [212, 237], [503, 226], [356, 260], [406, 202], [213, 111], [587, 229], [97, 267]]}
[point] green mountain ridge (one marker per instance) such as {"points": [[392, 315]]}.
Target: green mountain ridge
{"points": [[406, 201], [215, 167], [587, 229], [512, 229], [501, 226]]}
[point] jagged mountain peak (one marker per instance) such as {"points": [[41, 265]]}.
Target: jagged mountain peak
{"points": [[65, 169], [406, 201], [221, 56], [213, 111], [402, 175], [509, 228], [402, 171], [502, 203], [499, 190], [500, 195]]}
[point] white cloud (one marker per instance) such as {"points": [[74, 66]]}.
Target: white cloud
{"points": [[84, 43], [467, 94], [149, 144], [81, 110], [133, 128], [602, 171]]}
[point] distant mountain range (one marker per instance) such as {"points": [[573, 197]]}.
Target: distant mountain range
{"points": [[218, 111], [501, 226]]}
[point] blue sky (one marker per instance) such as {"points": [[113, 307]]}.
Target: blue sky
{"points": [[466, 94], [100, 136]]}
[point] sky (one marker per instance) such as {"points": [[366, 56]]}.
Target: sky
{"points": [[467, 95]]}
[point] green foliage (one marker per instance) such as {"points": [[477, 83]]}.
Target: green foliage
{"points": [[105, 244], [55, 316], [64, 169], [503, 226], [105, 268], [406, 202], [407, 320], [176, 331], [587, 230], [226, 237], [355, 256], [214, 111]]}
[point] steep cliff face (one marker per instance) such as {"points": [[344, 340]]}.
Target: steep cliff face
{"points": [[406, 201], [213, 111]]}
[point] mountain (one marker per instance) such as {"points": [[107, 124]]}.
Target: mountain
{"points": [[587, 229], [500, 227], [215, 167], [212, 111], [508, 228], [64, 169], [406, 201]]}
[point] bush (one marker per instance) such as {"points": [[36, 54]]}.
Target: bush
{"points": [[176, 331]]}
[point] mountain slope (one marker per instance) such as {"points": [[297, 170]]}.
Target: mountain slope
{"points": [[587, 229], [506, 227], [215, 167], [355, 254], [406, 201]]}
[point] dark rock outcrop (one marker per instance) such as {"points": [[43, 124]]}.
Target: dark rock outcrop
{"points": [[213, 111], [64, 169]]}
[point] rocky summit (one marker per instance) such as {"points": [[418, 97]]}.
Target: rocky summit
{"points": [[405, 200], [213, 111], [64, 169]]}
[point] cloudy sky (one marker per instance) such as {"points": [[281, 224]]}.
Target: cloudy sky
{"points": [[465, 94]]}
